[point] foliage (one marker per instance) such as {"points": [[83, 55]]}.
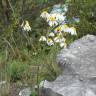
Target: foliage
{"points": [[21, 53], [16, 70]]}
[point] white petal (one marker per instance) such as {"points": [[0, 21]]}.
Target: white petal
{"points": [[50, 24], [51, 34], [42, 38], [62, 45]]}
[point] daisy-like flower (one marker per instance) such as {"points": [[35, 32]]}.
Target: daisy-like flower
{"points": [[59, 38], [62, 40], [65, 28], [26, 27], [45, 15], [58, 29], [52, 20], [51, 34], [60, 18], [61, 28], [50, 42], [72, 31], [60, 35], [42, 38], [56, 39], [63, 45]]}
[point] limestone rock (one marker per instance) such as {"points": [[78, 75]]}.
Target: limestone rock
{"points": [[4, 88], [80, 57], [25, 92], [78, 63]]}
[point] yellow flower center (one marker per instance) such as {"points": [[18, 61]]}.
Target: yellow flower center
{"points": [[59, 29], [65, 26], [44, 12], [73, 28], [52, 18], [49, 40], [26, 23]]}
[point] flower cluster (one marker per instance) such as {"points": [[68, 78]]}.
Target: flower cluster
{"points": [[25, 26], [65, 29], [57, 28], [52, 39], [53, 19]]}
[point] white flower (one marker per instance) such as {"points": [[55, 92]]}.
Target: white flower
{"points": [[63, 45], [59, 39], [61, 28], [65, 28], [56, 39], [60, 18], [26, 27], [50, 42], [60, 35], [72, 31], [52, 17], [42, 38], [45, 15], [53, 23], [55, 18], [62, 40], [52, 20], [58, 29], [51, 34]]}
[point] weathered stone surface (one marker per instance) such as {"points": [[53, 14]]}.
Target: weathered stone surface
{"points": [[2, 83], [78, 63], [4, 88], [80, 56], [69, 86], [25, 92]]}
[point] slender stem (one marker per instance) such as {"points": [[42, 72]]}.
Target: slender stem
{"points": [[9, 45], [6, 52], [10, 5], [38, 80]]}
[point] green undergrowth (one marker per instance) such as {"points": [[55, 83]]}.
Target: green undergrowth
{"points": [[32, 70]]}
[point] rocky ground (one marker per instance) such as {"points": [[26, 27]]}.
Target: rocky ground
{"points": [[14, 89]]}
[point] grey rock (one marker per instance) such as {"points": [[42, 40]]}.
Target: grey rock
{"points": [[25, 92], [69, 85], [2, 83], [4, 88], [80, 56], [78, 63]]}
